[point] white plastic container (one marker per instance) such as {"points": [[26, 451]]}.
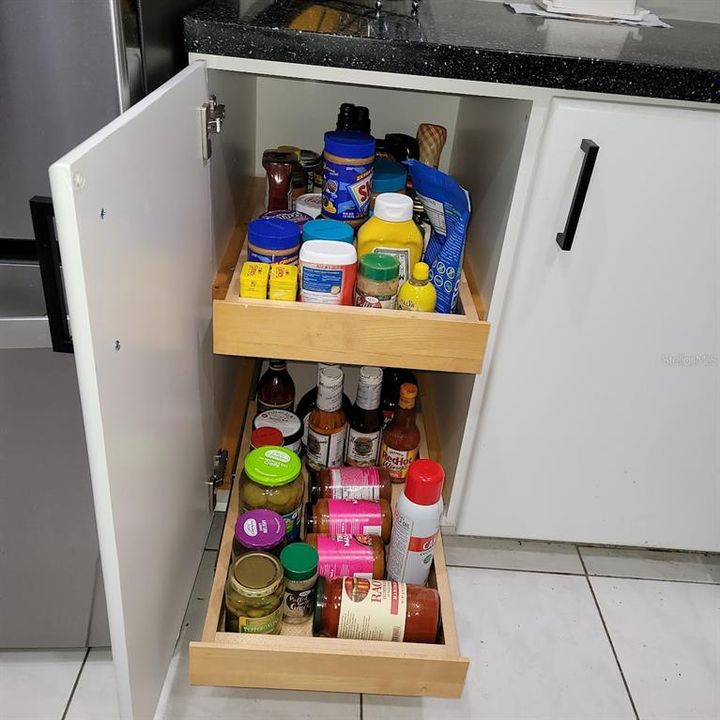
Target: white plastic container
{"points": [[327, 272], [416, 523]]}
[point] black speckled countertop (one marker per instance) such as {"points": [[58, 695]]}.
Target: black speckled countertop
{"points": [[468, 40]]}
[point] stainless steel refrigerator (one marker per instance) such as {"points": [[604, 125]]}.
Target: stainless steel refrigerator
{"points": [[67, 67]]}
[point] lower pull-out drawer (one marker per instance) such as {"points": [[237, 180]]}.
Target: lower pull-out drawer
{"points": [[298, 661]]}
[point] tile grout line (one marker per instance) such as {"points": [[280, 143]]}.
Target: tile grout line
{"points": [[75, 684], [582, 574], [361, 706], [607, 634]]}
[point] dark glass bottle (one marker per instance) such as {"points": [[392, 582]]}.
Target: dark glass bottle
{"points": [[276, 389], [393, 378], [309, 400], [366, 420]]}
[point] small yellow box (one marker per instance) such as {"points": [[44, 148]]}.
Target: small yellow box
{"points": [[283, 282], [254, 280]]}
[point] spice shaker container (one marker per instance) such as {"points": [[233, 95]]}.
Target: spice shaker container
{"points": [[300, 565]]}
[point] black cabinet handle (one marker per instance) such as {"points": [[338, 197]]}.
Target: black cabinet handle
{"points": [[48, 251], [565, 238]]}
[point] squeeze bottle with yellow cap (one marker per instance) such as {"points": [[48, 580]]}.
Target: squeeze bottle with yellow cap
{"points": [[391, 230], [418, 293]]}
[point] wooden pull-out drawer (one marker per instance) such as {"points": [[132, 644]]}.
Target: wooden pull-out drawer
{"points": [[302, 331], [296, 660]]}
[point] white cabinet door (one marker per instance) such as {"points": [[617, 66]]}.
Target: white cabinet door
{"points": [[600, 421], [133, 217]]}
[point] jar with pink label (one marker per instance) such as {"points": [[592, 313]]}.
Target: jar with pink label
{"points": [[354, 517], [351, 483], [349, 555]]}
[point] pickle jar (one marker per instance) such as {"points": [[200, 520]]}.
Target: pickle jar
{"points": [[259, 531], [254, 595], [271, 479]]}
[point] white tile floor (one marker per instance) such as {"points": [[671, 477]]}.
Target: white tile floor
{"points": [[636, 636]]}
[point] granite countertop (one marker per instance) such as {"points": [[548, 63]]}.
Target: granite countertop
{"points": [[469, 40]]}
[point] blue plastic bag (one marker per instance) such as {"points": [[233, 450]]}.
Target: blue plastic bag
{"points": [[447, 205]]}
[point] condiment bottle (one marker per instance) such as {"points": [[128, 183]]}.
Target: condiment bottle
{"points": [[300, 565], [416, 523], [366, 421], [264, 436], [351, 483], [377, 281], [349, 555], [401, 439], [327, 425], [279, 168], [276, 389], [391, 230], [309, 400], [361, 609], [356, 517], [393, 378], [418, 293]]}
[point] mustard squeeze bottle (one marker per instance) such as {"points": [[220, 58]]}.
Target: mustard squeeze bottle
{"points": [[418, 293], [391, 230]]}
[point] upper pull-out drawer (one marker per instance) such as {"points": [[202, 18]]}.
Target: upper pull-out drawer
{"points": [[301, 331], [298, 661]]}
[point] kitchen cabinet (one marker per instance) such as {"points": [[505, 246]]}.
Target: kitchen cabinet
{"points": [[600, 417], [150, 232]]}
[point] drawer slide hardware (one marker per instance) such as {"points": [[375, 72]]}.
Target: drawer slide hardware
{"points": [[212, 114]]}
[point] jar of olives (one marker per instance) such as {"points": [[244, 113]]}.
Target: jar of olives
{"points": [[254, 595], [271, 479]]}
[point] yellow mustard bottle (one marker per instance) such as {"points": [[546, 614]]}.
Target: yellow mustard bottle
{"points": [[418, 293], [391, 230]]}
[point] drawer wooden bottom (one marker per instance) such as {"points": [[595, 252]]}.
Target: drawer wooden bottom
{"points": [[295, 660]]}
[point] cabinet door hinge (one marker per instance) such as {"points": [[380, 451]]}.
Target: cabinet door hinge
{"points": [[212, 114], [220, 461]]}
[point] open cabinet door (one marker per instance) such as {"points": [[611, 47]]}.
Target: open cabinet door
{"points": [[133, 218]]}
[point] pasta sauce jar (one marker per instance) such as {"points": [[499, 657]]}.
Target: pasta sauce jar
{"points": [[349, 555], [356, 517], [361, 609]]}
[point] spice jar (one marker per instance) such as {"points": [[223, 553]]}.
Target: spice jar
{"points": [[377, 281], [352, 483], [259, 531], [311, 163], [271, 479], [254, 595], [362, 609], [356, 517], [349, 555], [300, 565]]}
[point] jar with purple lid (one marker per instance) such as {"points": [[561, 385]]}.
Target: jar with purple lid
{"points": [[259, 531]]}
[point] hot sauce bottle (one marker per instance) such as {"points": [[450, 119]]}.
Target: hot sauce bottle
{"points": [[401, 439], [327, 425]]}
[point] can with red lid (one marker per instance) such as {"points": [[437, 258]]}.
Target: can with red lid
{"points": [[416, 523]]}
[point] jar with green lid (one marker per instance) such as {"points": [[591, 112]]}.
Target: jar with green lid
{"points": [[300, 565], [254, 595], [377, 281], [271, 479]]}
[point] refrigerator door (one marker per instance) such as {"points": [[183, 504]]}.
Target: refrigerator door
{"points": [[133, 215]]}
